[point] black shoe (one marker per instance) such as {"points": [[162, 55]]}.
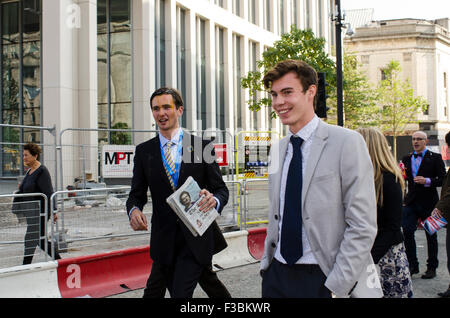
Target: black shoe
{"points": [[414, 270], [430, 273], [445, 294]]}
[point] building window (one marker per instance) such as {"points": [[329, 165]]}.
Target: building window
{"points": [[294, 13], [237, 92], [220, 79], [181, 57], [201, 74], [320, 17], [160, 44], [236, 9], [114, 68], [252, 11], [266, 14], [308, 17], [281, 27], [219, 3], [20, 81]]}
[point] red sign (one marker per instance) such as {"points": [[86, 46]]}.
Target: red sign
{"points": [[221, 154]]}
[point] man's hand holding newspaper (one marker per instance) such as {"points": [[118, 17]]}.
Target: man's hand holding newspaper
{"points": [[208, 202]]}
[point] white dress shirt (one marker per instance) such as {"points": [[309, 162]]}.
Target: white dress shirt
{"points": [[307, 134]]}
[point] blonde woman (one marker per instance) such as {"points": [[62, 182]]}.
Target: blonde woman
{"points": [[388, 250]]}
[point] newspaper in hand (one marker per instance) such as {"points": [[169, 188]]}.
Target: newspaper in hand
{"points": [[185, 203]]}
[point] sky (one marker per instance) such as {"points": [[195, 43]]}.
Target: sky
{"points": [[398, 9]]}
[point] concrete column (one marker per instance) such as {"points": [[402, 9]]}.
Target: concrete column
{"points": [[143, 55], [59, 72]]}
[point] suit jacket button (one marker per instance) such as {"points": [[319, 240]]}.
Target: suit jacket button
{"points": [[276, 216], [274, 245]]}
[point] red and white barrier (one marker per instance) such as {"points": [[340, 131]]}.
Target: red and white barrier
{"points": [[30, 281], [104, 274], [112, 273]]}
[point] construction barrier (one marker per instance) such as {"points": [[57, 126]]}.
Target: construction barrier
{"points": [[104, 274], [113, 273], [30, 281], [256, 238], [236, 254]]}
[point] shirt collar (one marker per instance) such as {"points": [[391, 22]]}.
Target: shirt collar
{"points": [[306, 132], [175, 139]]}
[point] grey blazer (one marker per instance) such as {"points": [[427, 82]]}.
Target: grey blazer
{"points": [[339, 210]]}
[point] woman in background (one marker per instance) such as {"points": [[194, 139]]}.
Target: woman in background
{"points": [[388, 250], [37, 180]]}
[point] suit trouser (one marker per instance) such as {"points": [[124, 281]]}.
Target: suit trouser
{"points": [[296, 281], [410, 216], [208, 281], [447, 243]]}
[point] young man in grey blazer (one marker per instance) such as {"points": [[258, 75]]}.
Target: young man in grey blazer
{"points": [[322, 217]]}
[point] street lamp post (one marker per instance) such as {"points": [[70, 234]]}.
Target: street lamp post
{"points": [[339, 85]]}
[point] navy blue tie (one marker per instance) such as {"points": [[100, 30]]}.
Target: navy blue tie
{"points": [[291, 229]]}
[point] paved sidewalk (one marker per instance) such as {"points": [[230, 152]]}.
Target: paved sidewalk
{"points": [[245, 281]]}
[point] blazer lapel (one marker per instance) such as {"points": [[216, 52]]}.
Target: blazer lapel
{"points": [[278, 157], [158, 164], [316, 149]]}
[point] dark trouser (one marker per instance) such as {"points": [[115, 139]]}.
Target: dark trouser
{"points": [[36, 229], [447, 243], [296, 281], [410, 216], [208, 281]]}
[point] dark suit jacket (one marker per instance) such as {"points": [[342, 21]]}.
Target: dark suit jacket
{"points": [[431, 167], [389, 218], [444, 203], [149, 173]]}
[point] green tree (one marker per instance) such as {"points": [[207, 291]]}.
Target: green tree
{"points": [[297, 45], [360, 97], [120, 137], [399, 105]]}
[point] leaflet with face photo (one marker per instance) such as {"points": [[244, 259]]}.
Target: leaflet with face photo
{"points": [[185, 202]]}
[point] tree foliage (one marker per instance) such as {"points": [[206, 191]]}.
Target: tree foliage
{"points": [[360, 97], [297, 45], [400, 106]]}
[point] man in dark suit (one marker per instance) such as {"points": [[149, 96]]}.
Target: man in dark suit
{"points": [[425, 171], [442, 209], [162, 164]]}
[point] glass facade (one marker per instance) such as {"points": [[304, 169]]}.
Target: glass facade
{"points": [[160, 44], [114, 67], [220, 79], [181, 58], [267, 21], [20, 81], [237, 91], [281, 21], [252, 11], [201, 73]]}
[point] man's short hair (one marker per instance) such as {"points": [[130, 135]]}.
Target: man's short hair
{"points": [[447, 138], [176, 96], [305, 73]]}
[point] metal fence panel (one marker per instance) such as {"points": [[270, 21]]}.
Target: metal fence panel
{"points": [[20, 232]]}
